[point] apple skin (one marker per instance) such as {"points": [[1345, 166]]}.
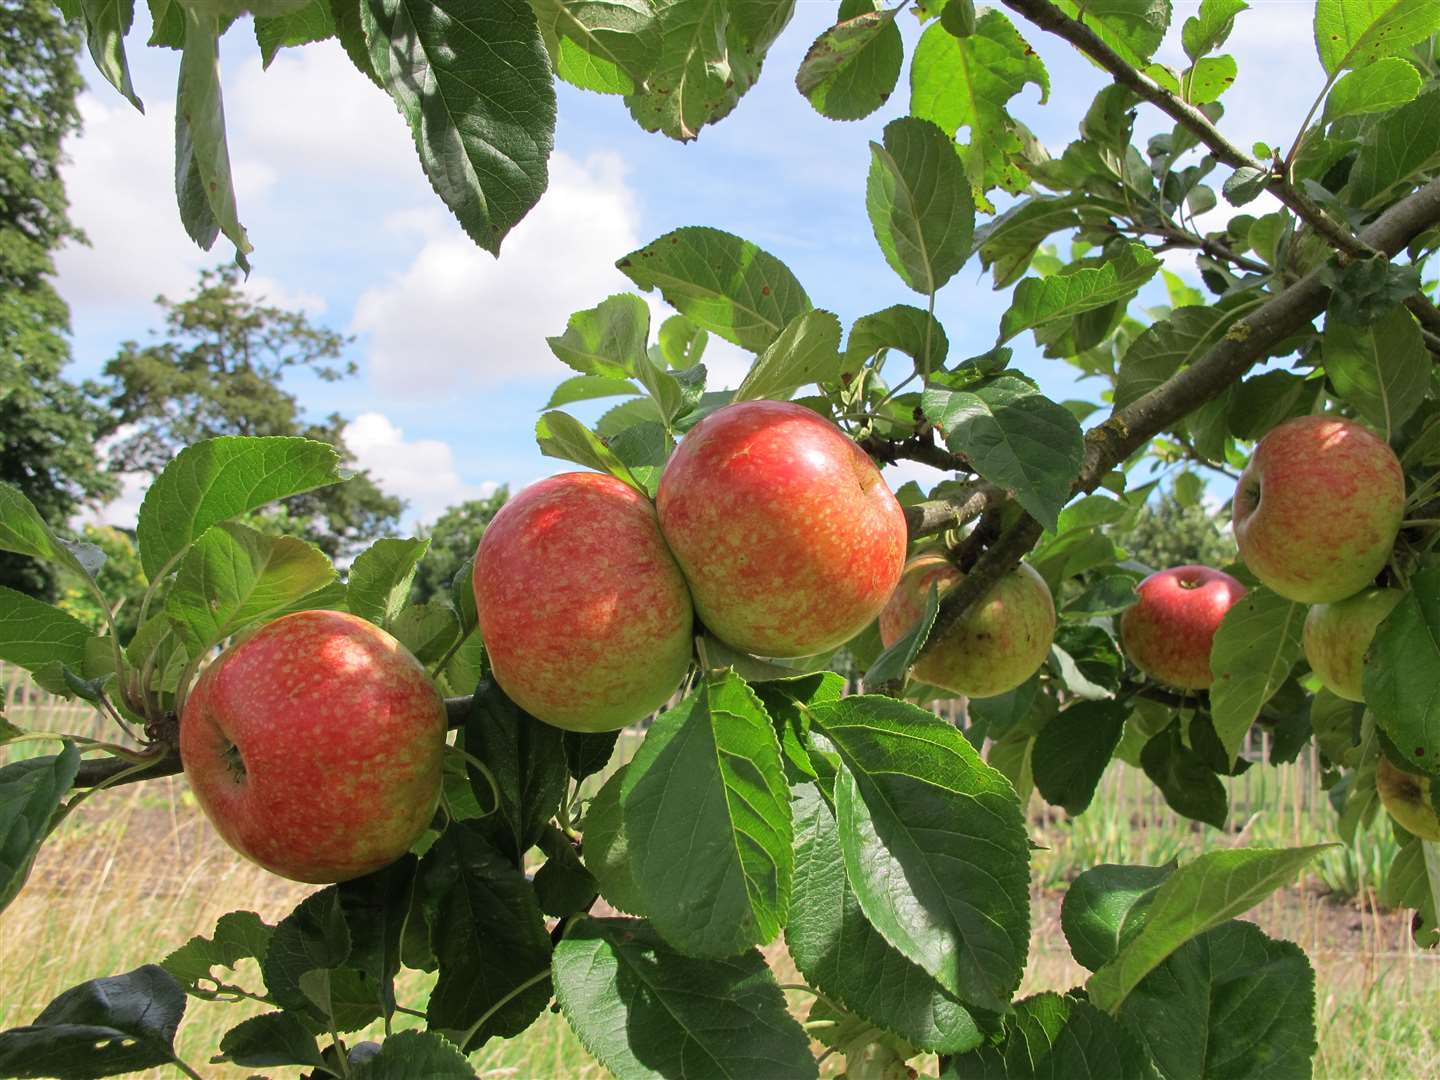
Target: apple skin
{"points": [[786, 531], [586, 619], [1407, 799], [314, 746], [1317, 508], [1002, 640], [1168, 632], [1337, 637]]}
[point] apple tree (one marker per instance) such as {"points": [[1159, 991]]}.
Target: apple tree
{"points": [[874, 839]]}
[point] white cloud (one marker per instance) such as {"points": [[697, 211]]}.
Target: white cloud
{"points": [[271, 292], [456, 317], [422, 471]]}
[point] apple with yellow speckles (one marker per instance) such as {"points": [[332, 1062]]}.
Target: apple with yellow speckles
{"points": [[314, 746]]}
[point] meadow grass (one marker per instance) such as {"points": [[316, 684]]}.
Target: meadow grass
{"points": [[135, 872]]}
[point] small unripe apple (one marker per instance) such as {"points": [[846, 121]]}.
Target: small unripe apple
{"points": [[787, 533], [1168, 632], [1407, 798], [1338, 636], [999, 643], [1318, 507], [585, 616], [314, 746]]}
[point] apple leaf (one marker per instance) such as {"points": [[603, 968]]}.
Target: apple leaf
{"points": [[918, 811], [1383, 370], [415, 1055], [1184, 1012], [606, 341], [920, 203], [106, 24], [913, 331], [238, 935], [473, 83], [807, 351], [1378, 87], [1133, 28], [1351, 35], [489, 937], [563, 885], [316, 937], [1072, 751], [42, 639], [1168, 345], [1049, 1036], [1255, 646], [23, 531], [1008, 242], [381, 577], [607, 848], [721, 283], [30, 794], [788, 701], [218, 479], [645, 1010], [313, 21], [276, 1038], [560, 435], [587, 752], [1413, 882], [1071, 292], [1402, 679], [120, 1024], [1207, 891], [605, 46], [852, 68], [1402, 144], [1208, 29], [892, 664], [234, 576], [707, 811], [842, 955], [1106, 907], [1188, 783]]}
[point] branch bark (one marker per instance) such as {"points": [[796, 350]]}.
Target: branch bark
{"points": [[937, 515]]}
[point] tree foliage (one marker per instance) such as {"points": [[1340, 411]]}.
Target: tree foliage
{"points": [[452, 543]]}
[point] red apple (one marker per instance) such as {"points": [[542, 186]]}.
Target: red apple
{"points": [[1168, 632], [1337, 637], [314, 746], [787, 533], [585, 616], [1001, 641], [1406, 798], [1317, 508]]}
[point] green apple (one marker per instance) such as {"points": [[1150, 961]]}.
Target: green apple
{"points": [[1337, 638], [1407, 797]]}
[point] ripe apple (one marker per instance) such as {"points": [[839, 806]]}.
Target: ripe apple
{"points": [[1001, 641], [1407, 798], [787, 533], [1317, 508], [1337, 637], [585, 616], [1168, 632], [314, 746]]}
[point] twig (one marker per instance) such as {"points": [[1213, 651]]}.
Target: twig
{"points": [[937, 515], [921, 448]]}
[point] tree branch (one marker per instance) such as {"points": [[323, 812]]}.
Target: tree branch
{"points": [[937, 515], [922, 448]]}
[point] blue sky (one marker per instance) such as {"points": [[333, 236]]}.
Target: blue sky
{"points": [[450, 342]]}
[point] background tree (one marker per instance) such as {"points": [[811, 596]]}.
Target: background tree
{"points": [[216, 369], [452, 540], [47, 426], [1169, 533]]}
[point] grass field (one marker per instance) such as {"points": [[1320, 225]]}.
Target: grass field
{"points": [[135, 872]]}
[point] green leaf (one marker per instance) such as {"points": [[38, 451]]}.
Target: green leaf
{"points": [[647, 1012], [1015, 437], [316, 937], [788, 702], [1072, 751], [30, 794], [721, 283], [103, 1027], [1410, 885], [203, 184], [807, 351], [1133, 28], [1402, 680], [1256, 645], [23, 531], [892, 664], [1106, 907], [1049, 1037], [852, 68], [607, 848], [311, 22], [562, 884], [489, 935], [218, 479], [1207, 30], [1207, 80], [841, 954], [600, 45], [473, 83], [527, 759], [350, 31], [912, 330], [234, 576], [106, 24], [587, 752], [427, 630], [1245, 185], [1207, 891], [1402, 145], [607, 340], [381, 577], [239, 935], [1183, 776], [706, 806], [415, 1055], [916, 807], [967, 83], [276, 1038], [560, 435], [1355, 33], [1378, 87], [1007, 244], [681, 342], [41, 638], [920, 203], [1185, 1012], [1064, 295], [1383, 370], [1168, 346]]}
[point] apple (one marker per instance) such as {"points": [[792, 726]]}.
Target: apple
{"points": [[1407, 798], [1337, 637], [999, 643], [586, 619], [314, 746], [786, 532], [1168, 632], [1318, 507]]}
